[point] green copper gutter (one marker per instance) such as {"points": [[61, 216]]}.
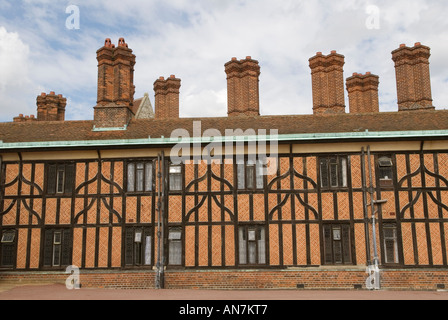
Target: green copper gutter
{"points": [[311, 137]]}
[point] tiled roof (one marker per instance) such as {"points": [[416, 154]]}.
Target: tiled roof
{"points": [[292, 124]]}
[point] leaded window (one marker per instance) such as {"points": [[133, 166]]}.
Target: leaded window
{"points": [[140, 176], [57, 248], [175, 247], [252, 245], [333, 172], [8, 251], [337, 249], [138, 246], [60, 178], [390, 243], [250, 174]]}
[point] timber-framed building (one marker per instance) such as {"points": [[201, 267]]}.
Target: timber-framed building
{"points": [[294, 201]]}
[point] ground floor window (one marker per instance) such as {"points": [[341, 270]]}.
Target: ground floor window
{"points": [[390, 243], [8, 248], [138, 247], [57, 248], [252, 245], [337, 248], [175, 247]]}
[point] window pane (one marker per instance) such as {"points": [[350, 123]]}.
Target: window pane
{"points": [[333, 174], [328, 246], [252, 252], [241, 176], [140, 174], [242, 245], [148, 247], [60, 179], [69, 178], [175, 247], [8, 237], [57, 255], [344, 172], [51, 181], [262, 247], [250, 175], [131, 177], [175, 178], [175, 256], [324, 173], [148, 177], [260, 174]]}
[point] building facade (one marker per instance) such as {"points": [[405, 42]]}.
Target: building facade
{"points": [[244, 201]]}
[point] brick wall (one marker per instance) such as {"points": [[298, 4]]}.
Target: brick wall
{"points": [[312, 278]]}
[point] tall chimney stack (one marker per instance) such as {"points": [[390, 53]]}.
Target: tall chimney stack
{"points": [[243, 87], [327, 76], [115, 85], [413, 77], [167, 97], [363, 93]]}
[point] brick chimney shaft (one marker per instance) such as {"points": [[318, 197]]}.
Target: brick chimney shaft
{"points": [[413, 77], [363, 93], [115, 85], [243, 87], [327, 76], [167, 97]]}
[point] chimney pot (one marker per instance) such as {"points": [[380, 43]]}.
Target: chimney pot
{"points": [[417, 44], [234, 59], [172, 76], [161, 78], [333, 51], [402, 45]]}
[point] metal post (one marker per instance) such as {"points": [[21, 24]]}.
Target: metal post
{"points": [[160, 234], [364, 195], [372, 205]]}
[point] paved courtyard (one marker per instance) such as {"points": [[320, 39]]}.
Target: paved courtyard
{"points": [[60, 292]]}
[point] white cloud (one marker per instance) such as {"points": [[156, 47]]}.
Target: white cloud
{"points": [[193, 39]]}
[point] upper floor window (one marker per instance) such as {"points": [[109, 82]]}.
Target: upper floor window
{"points": [[385, 171], [250, 174], [175, 178], [60, 178], [333, 172], [140, 176]]}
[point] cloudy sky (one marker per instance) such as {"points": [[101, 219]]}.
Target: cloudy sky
{"points": [[45, 47]]}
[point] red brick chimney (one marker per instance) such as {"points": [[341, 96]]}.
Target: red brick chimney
{"points": [[51, 107], [243, 87], [22, 118], [363, 93], [167, 97], [327, 75], [413, 77], [115, 85]]}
